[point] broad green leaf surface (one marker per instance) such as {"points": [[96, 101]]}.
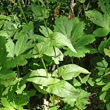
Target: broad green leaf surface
{"points": [[96, 17], [64, 26], [41, 48], [81, 51], [80, 102], [106, 87], [4, 17], [43, 30], [76, 35], [6, 104], [76, 82], [107, 52], [84, 40], [38, 72], [101, 32], [40, 38], [63, 89], [104, 44], [19, 60], [42, 80], [84, 80], [104, 4], [77, 31], [22, 45], [101, 20], [6, 75], [69, 71], [108, 105], [10, 48], [9, 28], [4, 34], [59, 40], [37, 12], [1, 23], [51, 53], [3, 53]]}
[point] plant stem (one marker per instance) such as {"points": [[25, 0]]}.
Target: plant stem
{"points": [[22, 12], [33, 39], [44, 66], [43, 16], [47, 32]]}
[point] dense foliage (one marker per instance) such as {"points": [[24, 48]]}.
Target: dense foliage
{"points": [[54, 54]]}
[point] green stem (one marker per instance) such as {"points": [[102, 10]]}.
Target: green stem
{"points": [[43, 16], [22, 12], [33, 39], [44, 66], [47, 31], [18, 71]]}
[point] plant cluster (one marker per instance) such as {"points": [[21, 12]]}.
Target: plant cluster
{"points": [[54, 56]]}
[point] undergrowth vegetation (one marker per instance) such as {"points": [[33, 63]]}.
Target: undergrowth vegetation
{"points": [[55, 55]]}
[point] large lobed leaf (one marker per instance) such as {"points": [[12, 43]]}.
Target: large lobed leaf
{"points": [[105, 5], [69, 71], [101, 20], [59, 40]]}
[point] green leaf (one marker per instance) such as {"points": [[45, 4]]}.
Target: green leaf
{"points": [[4, 34], [22, 45], [107, 52], [76, 82], [106, 87], [59, 40], [91, 82], [101, 20], [43, 30], [1, 23], [9, 28], [103, 96], [69, 71], [81, 51], [19, 60], [96, 17], [108, 105], [101, 32], [3, 53], [64, 26], [6, 75], [82, 1], [104, 44], [5, 17], [51, 53], [36, 10], [84, 40], [6, 104], [41, 48], [81, 47], [104, 4], [42, 80], [77, 31], [63, 89], [84, 80], [10, 48]]}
